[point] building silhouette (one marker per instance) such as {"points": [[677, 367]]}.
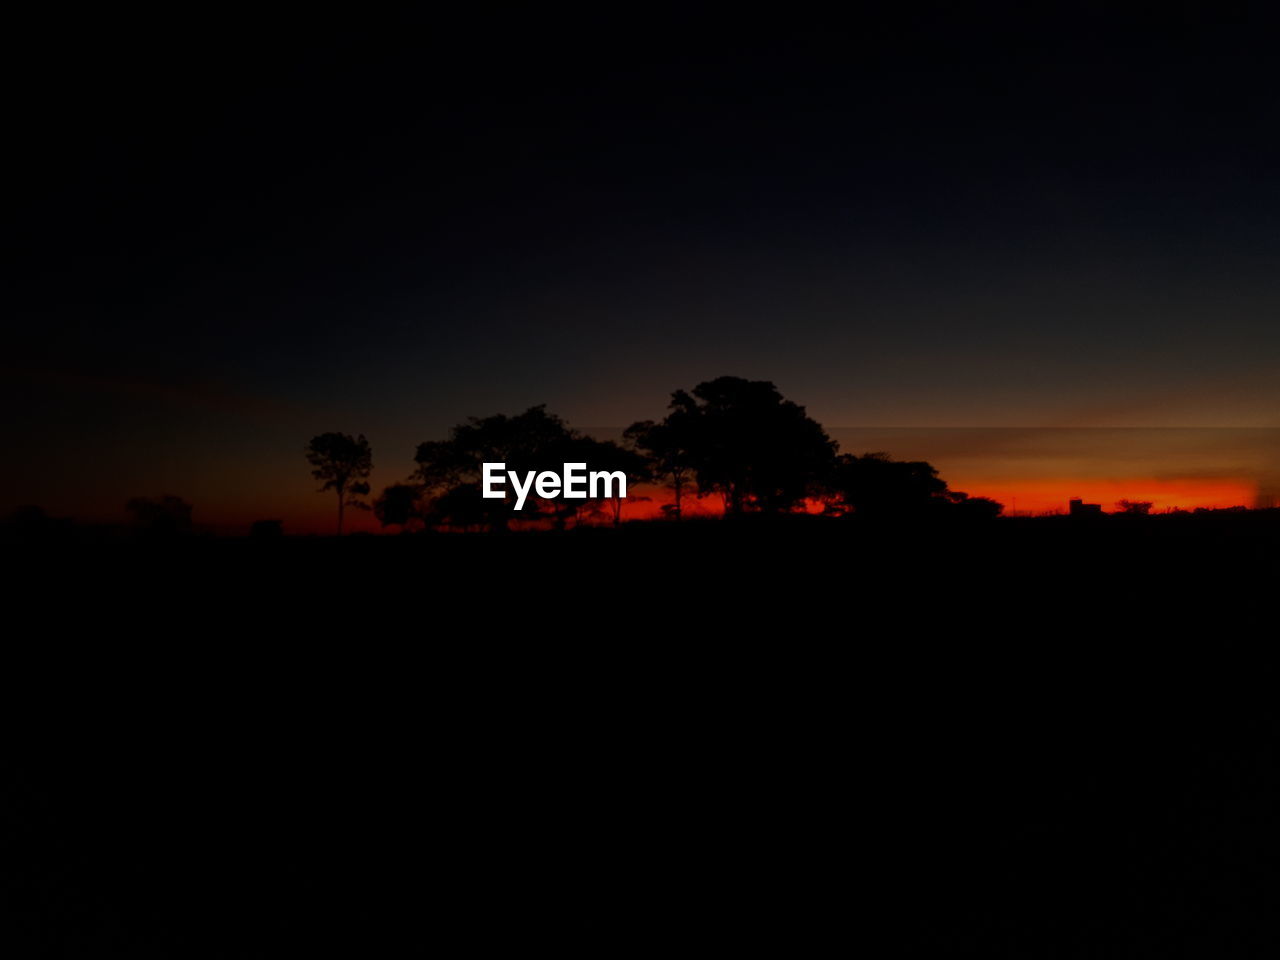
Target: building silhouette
{"points": [[1078, 508]]}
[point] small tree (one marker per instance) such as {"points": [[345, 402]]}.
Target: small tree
{"points": [[973, 508], [344, 464], [1134, 508], [397, 505], [875, 485]]}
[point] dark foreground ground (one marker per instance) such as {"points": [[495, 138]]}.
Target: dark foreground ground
{"points": [[1037, 738]]}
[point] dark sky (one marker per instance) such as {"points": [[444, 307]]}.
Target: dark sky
{"points": [[236, 232]]}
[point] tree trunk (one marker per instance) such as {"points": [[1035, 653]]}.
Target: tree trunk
{"points": [[340, 507]]}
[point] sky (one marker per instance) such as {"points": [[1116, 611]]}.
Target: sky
{"points": [[234, 233]]}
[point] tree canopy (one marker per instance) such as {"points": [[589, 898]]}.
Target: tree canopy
{"points": [[344, 463], [730, 437], [665, 446], [449, 470], [874, 486], [397, 505], [744, 441]]}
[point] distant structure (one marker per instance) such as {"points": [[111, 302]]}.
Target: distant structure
{"points": [[1078, 508]]}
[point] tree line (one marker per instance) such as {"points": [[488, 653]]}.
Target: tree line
{"points": [[739, 441]]}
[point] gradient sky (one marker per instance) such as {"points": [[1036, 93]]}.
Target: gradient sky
{"points": [[234, 234]]}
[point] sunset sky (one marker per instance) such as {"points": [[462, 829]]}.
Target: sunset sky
{"points": [[233, 239]]}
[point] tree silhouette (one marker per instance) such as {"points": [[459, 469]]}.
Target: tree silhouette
{"points": [[609, 456], [874, 486], [974, 508], [397, 505], [747, 443], [450, 470], [461, 507], [666, 446], [1134, 508], [344, 464]]}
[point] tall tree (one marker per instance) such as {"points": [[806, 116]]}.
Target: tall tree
{"points": [[450, 470], [343, 462], [666, 446], [749, 444]]}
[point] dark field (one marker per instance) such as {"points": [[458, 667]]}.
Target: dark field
{"points": [[1021, 738]]}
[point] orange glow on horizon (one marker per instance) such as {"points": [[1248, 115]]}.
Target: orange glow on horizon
{"points": [[1037, 496], [1031, 496]]}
